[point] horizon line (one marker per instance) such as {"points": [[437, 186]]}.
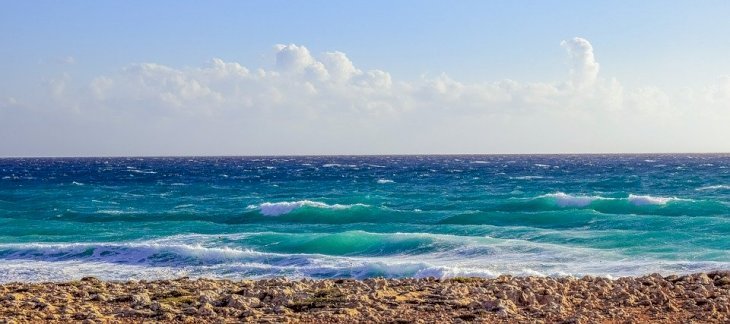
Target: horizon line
{"points": [[344, 155]]}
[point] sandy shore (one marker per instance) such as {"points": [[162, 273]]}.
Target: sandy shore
{"points": [[697, 298]]}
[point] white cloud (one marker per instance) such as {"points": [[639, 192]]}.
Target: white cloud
{"points": [[331, 83], [324, 103], [584, 68], [338, 66]]}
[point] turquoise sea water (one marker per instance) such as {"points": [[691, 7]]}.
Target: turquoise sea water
{"points": [[354, 216]]}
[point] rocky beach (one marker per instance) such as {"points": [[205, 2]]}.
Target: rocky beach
{"points": [[700, 298]]}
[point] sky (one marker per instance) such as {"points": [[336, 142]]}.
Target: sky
{"points": [[154, 78]]}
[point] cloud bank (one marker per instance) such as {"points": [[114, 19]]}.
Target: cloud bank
{"points": [[307, 103]]}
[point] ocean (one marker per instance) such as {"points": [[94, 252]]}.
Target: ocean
{"points": [[363, 216]]}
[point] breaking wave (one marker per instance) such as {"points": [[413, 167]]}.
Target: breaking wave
{"points": [[630, 204], [285, 207], [640, 200], [562, 199], [565, 200], [482, 257]]}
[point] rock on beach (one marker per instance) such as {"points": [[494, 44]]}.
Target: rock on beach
{"points": [[701, 298]]}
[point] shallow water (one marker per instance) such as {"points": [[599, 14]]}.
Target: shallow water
{"points": [[392, 216]]}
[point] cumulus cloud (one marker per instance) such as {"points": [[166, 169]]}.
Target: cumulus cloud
{"points": [[307, 102], [584, 68], [339, 67], [298, 81], [330, 82]]}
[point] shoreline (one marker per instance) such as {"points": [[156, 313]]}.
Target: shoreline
{"points": [[702, 297]]}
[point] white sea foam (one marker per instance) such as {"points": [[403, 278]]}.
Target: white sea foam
{"points": [[565, 200], [384, 181], [337, 165], [148, 253], [529, 177], [715, 187], [642, 200], [141, 171], [114, 212], [200, 255], [562, 199], [77, 183], [285, 207], [170, 258]]}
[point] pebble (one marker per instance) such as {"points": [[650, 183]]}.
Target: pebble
{"points": [[703, 297]]}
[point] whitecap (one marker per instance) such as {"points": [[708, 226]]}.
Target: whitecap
{"points": [[565, 200], [114, 212], [334, 165], [530, 177], [714, 187], [77, 183], [384, 181], [285, 207], [141, 171], [562, 199], [642, 200]]}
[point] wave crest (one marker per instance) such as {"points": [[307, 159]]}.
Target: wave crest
{"points": [[285, 207], [640, 200], [565, 200], [562, 199]]}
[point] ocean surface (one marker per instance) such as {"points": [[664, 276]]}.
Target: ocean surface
{"points": [[360, 217]]}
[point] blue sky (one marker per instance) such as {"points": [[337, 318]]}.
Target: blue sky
{"points": [[55, 54]]}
